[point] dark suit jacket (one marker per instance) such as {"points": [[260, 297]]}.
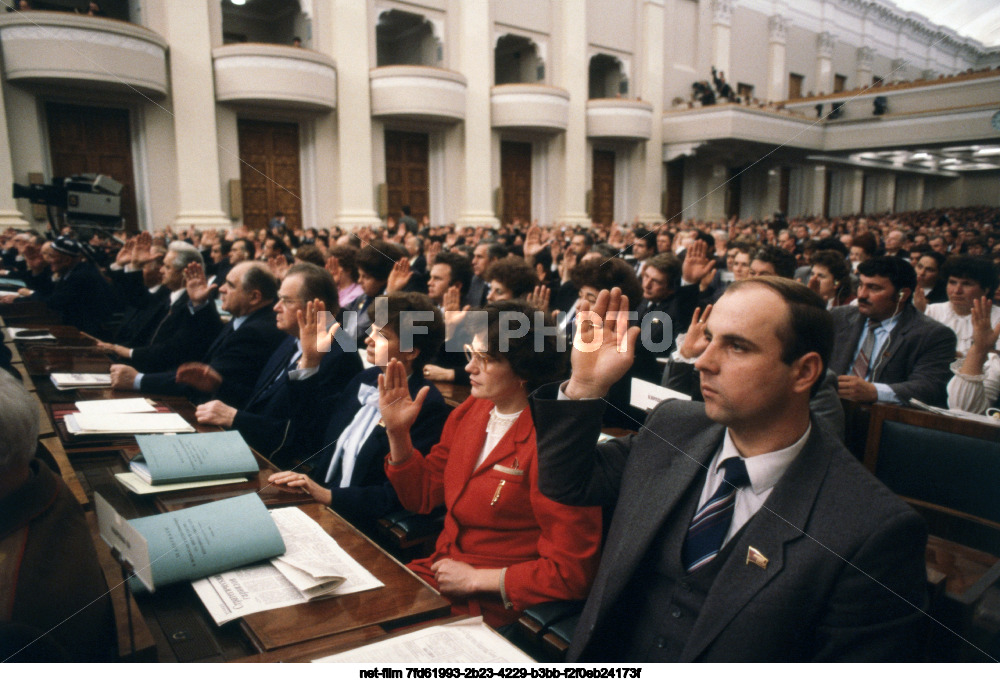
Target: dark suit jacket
{"points": [[265, 423], [236, 355], [839, 543], [179, 336], [143, 311], [476, 295], [83, 298], [916, 360], [369, 496]]}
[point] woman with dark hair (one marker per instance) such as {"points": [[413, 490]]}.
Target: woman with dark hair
{"points": [[931, 286], [831, 278], [510, 278], [505, 546]]}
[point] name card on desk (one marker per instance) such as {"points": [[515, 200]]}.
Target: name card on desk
{"points": [[646, 395]]}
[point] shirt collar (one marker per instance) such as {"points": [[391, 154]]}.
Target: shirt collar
{"points": [[764, 470], [237, 321]]}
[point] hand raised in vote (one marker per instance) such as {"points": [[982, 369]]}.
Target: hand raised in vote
{"points": [[215, 412], [314, 337], [123, 377], [695, 341], [399, 411], [199, 376], [604, 346], [196, 284], [295, 482]]}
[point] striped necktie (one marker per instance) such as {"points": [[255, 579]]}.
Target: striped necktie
{"points": [[711, 523], [863, 362]]}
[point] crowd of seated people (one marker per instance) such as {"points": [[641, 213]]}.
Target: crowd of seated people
{"points": [[270, 332]]}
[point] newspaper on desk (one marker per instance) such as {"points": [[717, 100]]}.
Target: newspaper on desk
{"points": [[465, 641], [313, 566]]}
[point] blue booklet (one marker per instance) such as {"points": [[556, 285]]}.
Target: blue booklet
{"points": [[9, 283], [193, 457], [192, 543]]}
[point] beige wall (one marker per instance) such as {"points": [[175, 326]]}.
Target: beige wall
{"points": [[532, 15], [612, 23]]}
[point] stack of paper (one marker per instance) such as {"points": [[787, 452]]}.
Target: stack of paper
{"points": [[120, 406], [218, 458], [89, 424], [313, 566], [67, 382]]}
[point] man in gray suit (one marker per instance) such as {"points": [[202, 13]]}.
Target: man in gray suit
{"points": [[884, 349], [740, 532]]}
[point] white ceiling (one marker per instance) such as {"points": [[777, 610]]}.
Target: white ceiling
{"points": [[977, 19]]}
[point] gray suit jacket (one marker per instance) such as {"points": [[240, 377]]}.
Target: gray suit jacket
{"points": [[845, 576], [916, 361]]}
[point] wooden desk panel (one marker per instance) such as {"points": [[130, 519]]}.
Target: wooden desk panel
{"points": [[42, 360], [404, 599]]}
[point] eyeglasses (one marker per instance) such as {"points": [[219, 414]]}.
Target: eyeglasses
{"points": [[471, 354]]}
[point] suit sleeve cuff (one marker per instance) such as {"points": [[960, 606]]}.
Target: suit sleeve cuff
{"points": [[137, 383], [886, 394]]}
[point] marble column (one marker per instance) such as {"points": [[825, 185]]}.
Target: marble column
{"points": [[824, 63], [9, 215], [356, 189], [722, 20], [865, 61], [777, 78], [571, 73], [650, 153], [192, 101], [475, 56]]}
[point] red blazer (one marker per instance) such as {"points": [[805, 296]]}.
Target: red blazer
{"points": [[551, 550]]}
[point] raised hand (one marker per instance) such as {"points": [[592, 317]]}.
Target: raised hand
{"points": [[399, 277], [540, 297], [314, 337], [983, 335], [399, 410], [604, 346], [533, 244], [278, 265], [695, 342], [125, 253], [142, 250], [199, 376], [919, 297], [697, 265], [198, 290]]}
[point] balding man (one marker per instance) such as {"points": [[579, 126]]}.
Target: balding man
{"points": [[229, 369]]}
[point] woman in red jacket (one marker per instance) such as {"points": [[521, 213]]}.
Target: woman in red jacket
{"points": [[505, 546]]}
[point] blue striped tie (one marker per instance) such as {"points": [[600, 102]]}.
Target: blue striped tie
{"points": [[711, 523]]}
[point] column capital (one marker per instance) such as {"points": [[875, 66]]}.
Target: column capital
{"points": [[722, 12], [825, 42], [777, 29]]}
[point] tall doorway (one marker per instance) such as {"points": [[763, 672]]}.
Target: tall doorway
{"points": [[515, 179], [406, 172], [269, 172], [94, 140], [603, 211]]}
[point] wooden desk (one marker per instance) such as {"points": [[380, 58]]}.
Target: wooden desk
{"points": [[183, 631]]}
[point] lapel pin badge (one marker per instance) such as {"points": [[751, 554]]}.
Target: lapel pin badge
{"points": [[756, 558]]}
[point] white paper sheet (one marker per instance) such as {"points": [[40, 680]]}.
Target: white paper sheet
{"points": [[465, 641], [308, 548], [140, 487], [119, 406], [167, 422], [65, 381]]}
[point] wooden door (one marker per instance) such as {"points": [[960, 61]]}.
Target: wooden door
{"points": [[407, 172], [94, 140], [269, 172], [515, 179], [603, 211], [674, 209]]}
